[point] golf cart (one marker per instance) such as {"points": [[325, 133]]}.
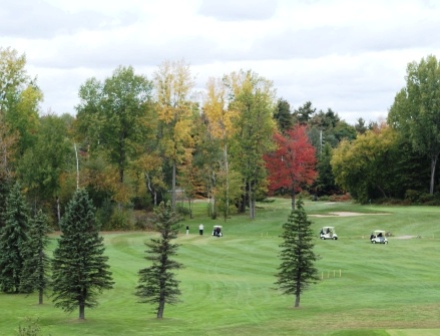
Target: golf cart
{"points": [[378, 237], [217, 231], [328, 232]]}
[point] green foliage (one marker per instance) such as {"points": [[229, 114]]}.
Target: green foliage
{"points": [[183, 210], [121, 219], [297, 270], [35, 273], [253, 99], [13, 240], [19, 98], [325, 183], [157, 283], [283, 116], [114, 116], [43, 164], [303, 114], [4, 192], [80, 268], [415, 111]]}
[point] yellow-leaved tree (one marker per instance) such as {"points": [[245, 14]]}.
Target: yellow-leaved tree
{"points": [[219, 131], [173, 84]]}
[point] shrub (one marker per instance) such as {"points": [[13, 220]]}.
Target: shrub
{"points": [[143, 221], [412, 196], [31, 327], [120, 220], [182, 210]]}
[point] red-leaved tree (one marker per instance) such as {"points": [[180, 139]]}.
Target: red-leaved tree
{"points": [[292, 165]]}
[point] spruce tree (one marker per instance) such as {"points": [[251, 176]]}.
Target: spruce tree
{"points": [[4, 192], [297, 270], [36, 266], [80, 269], [157, 283], [13, 240]]}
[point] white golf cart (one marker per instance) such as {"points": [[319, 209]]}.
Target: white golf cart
{"points": [[378, 237], [217, 231], [328, 232]]}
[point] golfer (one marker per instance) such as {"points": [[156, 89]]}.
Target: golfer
{"points": [[201, 229]]}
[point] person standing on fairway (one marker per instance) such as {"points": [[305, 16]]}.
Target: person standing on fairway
{"points": [[201, 229]]}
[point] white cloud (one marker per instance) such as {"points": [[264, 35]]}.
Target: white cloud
{"points": [[350, 56]]}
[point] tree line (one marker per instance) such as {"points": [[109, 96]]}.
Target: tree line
{"points": [[136, 141]]}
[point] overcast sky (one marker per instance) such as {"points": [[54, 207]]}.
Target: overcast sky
{"points": [[347, 55]]}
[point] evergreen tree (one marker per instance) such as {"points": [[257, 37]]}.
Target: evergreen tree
{"points": [[157, 284], [80, 269], [297, 270], [37, 263], [283, 116], [13, 240]]}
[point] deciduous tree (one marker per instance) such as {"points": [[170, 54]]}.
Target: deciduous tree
{"points": [[215, 143], [252, 99], [114, 115], [292, 165], [297, 269], [43, 164], [416, 110], [173, 84], [19, 98], [80, 268], [368, 166]]}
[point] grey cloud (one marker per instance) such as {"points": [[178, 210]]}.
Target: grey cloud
{"points": [[236, 10], [38, 19], [324, 41]]}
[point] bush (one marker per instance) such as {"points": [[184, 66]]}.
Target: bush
{"points": [[105, 212], [412, 195], [120, 220], [31, 327], [143, 221], [340, 198], [182, 210]]}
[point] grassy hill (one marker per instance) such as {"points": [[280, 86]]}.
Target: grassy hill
{"points": [[227, 283]]}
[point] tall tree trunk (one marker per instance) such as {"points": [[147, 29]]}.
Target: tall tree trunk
{"points": [[81, 311], [190, 207], [225, 155], [58, 212], [173, 188], [40, 296], [161, 309], [433, 164], [121, 156], [297, 299], [251, 202], [293, 198], [213, 199], [77, 167]]}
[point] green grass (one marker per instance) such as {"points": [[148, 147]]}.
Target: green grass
{"points": [[227, 283]]}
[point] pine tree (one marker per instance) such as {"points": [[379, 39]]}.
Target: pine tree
{"points": [[297, 270], [13, 239], [80, 269], [36, 266], [157, 284]]}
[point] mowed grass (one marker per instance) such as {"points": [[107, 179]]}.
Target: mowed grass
{"points": [[228, 283]]}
